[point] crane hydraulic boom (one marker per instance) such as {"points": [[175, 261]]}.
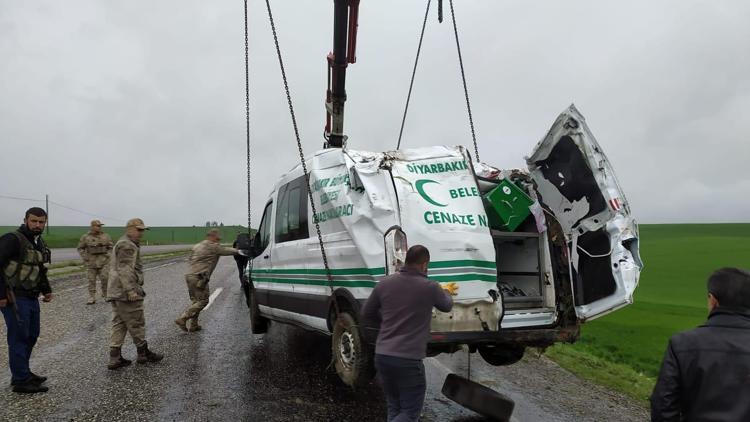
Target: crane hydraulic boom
{"points": [[345, 21]]}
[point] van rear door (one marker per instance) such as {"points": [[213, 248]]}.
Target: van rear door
{"points": [[577, 184], [441, 207]]}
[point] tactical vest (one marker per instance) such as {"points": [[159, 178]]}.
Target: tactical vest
{"points": [[25, 272], [97, 249]]}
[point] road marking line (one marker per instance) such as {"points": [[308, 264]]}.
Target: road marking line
{"points": [[159, 266], [213, 296], [86, 285]]}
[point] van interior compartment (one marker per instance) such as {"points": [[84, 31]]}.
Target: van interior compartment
{"points": [[519, 275]]}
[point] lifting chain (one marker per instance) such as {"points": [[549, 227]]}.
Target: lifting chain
{"points": [[247, 125], [413, 73], [463, 78], [302, 156], [461, 65]]}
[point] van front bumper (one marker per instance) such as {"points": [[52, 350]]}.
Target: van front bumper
{"points": [[537, 337]]}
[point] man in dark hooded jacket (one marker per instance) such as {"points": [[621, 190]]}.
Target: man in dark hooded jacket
{"points": [[705, 375]]}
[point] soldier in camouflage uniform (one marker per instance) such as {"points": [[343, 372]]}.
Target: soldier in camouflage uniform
{"points": [[203, 259], [94, 248], [125, 293]]}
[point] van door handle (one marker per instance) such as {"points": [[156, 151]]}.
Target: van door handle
{"points": [[265, 256]]}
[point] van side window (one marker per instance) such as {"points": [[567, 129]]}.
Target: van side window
{"points": [[291, 211], [264, 229]]}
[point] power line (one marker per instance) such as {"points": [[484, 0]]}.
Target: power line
{"points": [[90, 214], [21, 199], [86, 212]]}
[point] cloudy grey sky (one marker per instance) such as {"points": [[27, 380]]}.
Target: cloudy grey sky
{"points": [[136, 108]]}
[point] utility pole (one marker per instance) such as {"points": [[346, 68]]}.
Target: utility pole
{"points": [[46, 209]]}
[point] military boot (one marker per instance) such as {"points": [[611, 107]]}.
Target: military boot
{"points": [[193, 325], [115, 359], [182, 323], [146, 355]]}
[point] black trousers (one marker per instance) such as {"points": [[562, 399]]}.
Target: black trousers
{"points": [[404, 385]]}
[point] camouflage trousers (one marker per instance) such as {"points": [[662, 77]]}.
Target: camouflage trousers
{"points": [[102, 274], [127, 317], [198, 297]]}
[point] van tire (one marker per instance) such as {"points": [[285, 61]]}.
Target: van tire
{"points": [[479, 398], [258, 323], [501, 354], [352, 356]]}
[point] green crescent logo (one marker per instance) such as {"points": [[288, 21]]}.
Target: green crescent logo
{"points": [[419, 185]]}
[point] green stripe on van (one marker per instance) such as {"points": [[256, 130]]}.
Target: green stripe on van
{"points": [[378, 270], [462, 277], [363, 283], [338, 283], [463, 263], [315, 271]]}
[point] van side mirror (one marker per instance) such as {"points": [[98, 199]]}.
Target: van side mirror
{"points": [[248, 244], [255, 246], [244, 242]]}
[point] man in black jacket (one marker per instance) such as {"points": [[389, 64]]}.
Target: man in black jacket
{"points": [[23, 277], [240, 259], [705, 375]]}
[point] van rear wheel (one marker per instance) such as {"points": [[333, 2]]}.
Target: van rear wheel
{"points": [[258, 324], [501, 355], [352, 357]]}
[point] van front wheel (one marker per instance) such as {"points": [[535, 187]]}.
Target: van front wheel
{"points": [[352, 357]]}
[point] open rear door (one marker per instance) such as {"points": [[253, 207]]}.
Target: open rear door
{"points": [[577, 184]]}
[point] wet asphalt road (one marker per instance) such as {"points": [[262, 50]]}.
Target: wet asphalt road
{"points": [[226, 373], [71, 254]]}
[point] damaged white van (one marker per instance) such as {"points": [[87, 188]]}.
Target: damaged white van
{"points": [[535, 253]]}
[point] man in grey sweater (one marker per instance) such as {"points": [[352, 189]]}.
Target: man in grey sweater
{"points": [[401, 306]]}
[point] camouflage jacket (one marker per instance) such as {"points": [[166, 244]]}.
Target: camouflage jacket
{"points": [[125, 270], [204, 257], [94, 249]]}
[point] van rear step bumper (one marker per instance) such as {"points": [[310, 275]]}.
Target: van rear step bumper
{"points": [[521, 337]]}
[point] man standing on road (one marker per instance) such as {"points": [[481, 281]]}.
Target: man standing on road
{"points": [[125, 293], [401, 305], [203, 259], [94, 248], [705, 374], [23, 277]]}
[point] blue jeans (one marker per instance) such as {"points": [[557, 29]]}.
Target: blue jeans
{"points": [[404, 385], [21, 336]]}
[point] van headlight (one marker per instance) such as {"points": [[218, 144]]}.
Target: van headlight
{"points": [[395, 249]]}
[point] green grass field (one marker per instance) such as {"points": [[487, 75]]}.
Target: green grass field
{"points": [[67, 236], [623, 350]]}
